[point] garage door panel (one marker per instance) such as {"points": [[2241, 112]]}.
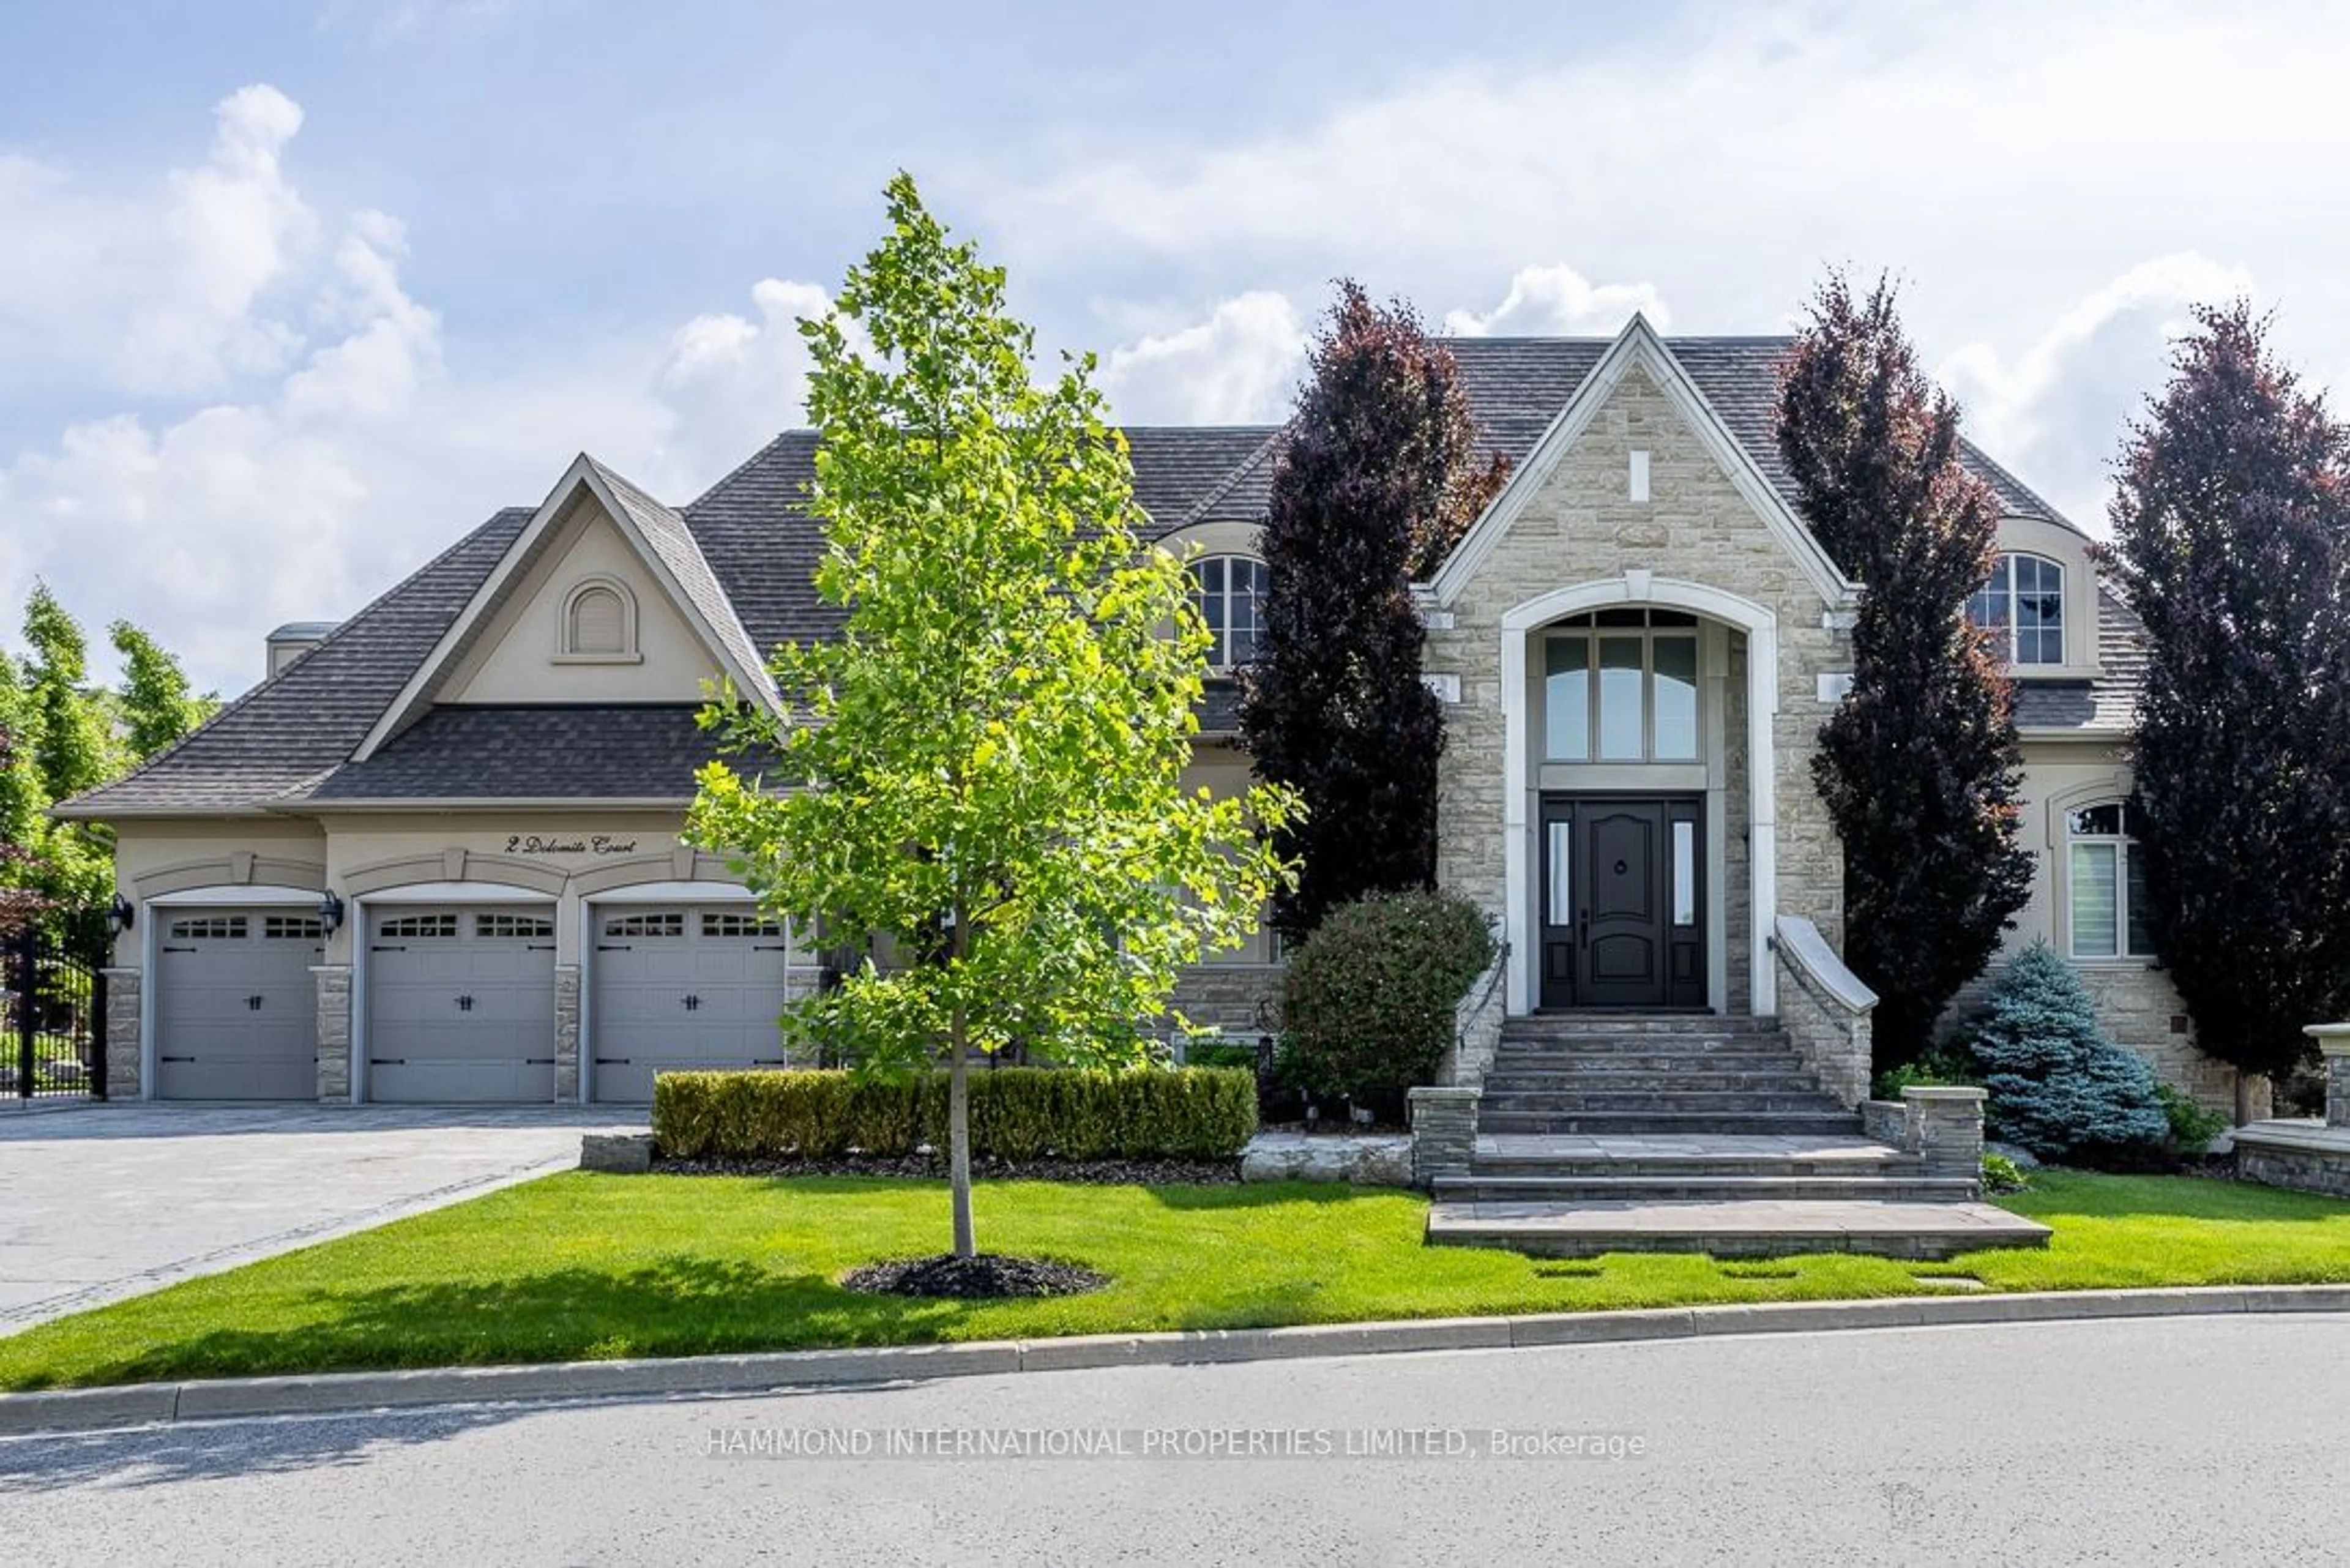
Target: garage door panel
{"points": [[237, 1011], [686, 989], [460, 1006]]}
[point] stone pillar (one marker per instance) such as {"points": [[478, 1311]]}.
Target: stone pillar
{"points": [[566, 1033], [1443, 1131], [1946, 1125], [2333, 1039], [334, 1031], [123, 1055]]}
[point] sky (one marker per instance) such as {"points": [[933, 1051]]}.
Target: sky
{"points": [[295, 292]]}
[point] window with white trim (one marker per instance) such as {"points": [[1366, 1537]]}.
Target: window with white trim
{"points": [[2022, 606], [2104, 884], [1229, 593], [599, 621]]}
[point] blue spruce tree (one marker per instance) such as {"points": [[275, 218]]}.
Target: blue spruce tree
{"points": [[2058, 1087]]}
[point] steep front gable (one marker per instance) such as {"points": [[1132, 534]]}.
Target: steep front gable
{"points": [[604, 598]]}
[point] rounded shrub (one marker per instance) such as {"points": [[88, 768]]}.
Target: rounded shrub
{"points": [[1367, 1004], [2057, 1086]]}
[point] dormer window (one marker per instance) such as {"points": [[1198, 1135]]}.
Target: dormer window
{"points": [[600, 622], [1229, 593], [2022, 608]]}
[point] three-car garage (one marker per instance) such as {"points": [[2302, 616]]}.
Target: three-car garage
{"points": [[455, 1001]]}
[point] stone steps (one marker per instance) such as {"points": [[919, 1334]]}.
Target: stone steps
{"points": [[1673, 1100], [1617, 1025], [1732, 1228], [1900, 1186], [1809, 1123], [1571, 1064]]}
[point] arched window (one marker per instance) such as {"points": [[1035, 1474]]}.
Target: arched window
{"points": [[2022, 608], [1229, 591], [2105, 884], [599, 621]]}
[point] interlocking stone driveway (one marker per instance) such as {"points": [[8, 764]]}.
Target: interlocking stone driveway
{"points": [[106, 1201]]}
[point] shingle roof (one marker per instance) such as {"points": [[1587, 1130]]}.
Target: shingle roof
{"points": [[297, 726], [2106, 706], [745, 553], [674, 543], [523, 752]]}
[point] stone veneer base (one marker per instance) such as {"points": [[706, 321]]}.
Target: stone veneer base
{"points": [[2305, 1154]]}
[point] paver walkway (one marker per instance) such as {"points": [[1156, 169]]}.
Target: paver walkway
{"points": [[106, 1201]]}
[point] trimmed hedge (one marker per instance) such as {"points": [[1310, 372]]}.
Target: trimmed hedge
{"points": [[1016, 1113]]}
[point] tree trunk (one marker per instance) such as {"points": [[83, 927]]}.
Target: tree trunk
{"points": [[958, 1111]]}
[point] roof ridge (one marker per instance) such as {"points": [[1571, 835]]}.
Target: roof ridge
{"points": [[731, 474], [1231, 481]]}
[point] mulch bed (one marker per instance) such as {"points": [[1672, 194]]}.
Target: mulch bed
{"points": [[985, 1276], [1085, 1172]]}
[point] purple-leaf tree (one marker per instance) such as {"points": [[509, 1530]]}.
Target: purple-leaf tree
{"points": [[2232, 540], [1379, 474], [1920, 764]]}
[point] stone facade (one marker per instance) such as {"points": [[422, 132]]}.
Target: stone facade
{"points": [[1946, 1129], [2140, 1009], [1477, 1025], [2296, 1154], [1443, 1132], [334, 1031], [566, 1032], [1579, 527], [1833, 1036], [1244, 1001], [123, 1057]]}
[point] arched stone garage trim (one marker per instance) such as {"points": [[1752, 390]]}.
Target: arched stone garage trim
{"points": [[1638, 588], [456, 869], [234, 876]]}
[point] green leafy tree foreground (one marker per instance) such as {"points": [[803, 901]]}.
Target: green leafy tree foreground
{"points": [[987, 763]]}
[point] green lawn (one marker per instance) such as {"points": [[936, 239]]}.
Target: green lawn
{"points": [[580, 1266]]}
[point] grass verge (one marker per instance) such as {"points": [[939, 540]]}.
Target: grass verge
{"points": [[578, 1267]]}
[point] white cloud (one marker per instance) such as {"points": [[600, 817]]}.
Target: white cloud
{"points": [[732, 382], [2055, 409], [1558, 301], [1239, 366], [234, 228]]}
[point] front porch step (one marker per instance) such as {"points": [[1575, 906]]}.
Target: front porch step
{"points": [[1697, 1080], [1552, 1025], [1731, 1227], [1573, 1063], [1804, 1123], [1666, 1095], [1674, 1185]]}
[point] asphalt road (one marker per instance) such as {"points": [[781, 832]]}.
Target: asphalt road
{"points": [[2168, 1441]]}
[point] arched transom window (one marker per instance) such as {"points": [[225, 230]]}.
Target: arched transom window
{"points": [[599, 621], [2022, 607], [2105, 884], [1229, 591]]}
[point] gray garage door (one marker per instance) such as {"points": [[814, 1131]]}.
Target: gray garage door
{"points": [[461, 1005], [236, 1011], [680, 989]]}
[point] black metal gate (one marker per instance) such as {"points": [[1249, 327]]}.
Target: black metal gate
{"points": [[52, 1018]]}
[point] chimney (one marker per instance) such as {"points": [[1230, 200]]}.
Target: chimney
{"points": [[292, 640]]}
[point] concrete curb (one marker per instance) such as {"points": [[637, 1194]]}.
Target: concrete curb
{"points": [[156, 1404]]}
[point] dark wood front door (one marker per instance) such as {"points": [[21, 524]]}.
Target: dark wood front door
{"points": [[1623, 898]]}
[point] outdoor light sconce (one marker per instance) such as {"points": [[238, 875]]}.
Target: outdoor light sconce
{"points": [[121, 914], [330, 912]]}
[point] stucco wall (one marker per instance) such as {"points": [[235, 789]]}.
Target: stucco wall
{"points": [[514, 659]]}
